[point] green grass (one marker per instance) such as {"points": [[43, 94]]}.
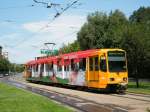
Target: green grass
{"points": [[144, 87], [17, 100]]}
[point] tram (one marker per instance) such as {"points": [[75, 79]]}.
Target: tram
{"points": [[96, 68]]}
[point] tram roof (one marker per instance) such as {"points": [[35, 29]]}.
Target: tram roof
{"points": [[72, 55]]}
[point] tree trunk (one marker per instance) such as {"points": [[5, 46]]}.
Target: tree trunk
{"points": [[137, 82], [136, 78]]}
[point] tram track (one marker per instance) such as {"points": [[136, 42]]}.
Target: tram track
{"points": [[80, 104], [104, 105], [89, 101], [134, 96], [126, 95]]}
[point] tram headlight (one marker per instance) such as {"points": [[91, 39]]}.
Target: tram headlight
{"points": [[124, 78], [112, 79]]}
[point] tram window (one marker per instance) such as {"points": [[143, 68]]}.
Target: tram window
{"points": [[82, 64], [66, 68], [42, 68], [91, 64], [96, 64], [59, 68], [47, 67], [103, 66], [72, 65], [29, 68], [50, 67], [36, 68]]}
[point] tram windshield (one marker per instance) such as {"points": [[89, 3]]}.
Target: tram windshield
{"points": [[116, 61]]}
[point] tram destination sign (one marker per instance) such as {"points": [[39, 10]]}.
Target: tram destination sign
{"points": [[116, 53], [49, 52]]}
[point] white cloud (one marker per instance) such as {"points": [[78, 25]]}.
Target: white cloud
{"points": [[34, 26], [59, 24], [62, 30]]}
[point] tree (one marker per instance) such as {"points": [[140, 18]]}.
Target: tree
{"points": [[142, 15], [140, 63], [92, 34], [4, 65], [16, 68], [73, 47], [102, 31], [132, 46], [117, 24]]}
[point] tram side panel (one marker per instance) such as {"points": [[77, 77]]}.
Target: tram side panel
{"points": [[72, 74], [75, 73]]}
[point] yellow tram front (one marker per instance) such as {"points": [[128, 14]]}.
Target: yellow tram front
{"points": [[117, 69], [108, 69]]}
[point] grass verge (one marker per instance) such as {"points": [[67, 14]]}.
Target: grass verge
{"points": [[144, 88], [148, 110], [17, 100]]}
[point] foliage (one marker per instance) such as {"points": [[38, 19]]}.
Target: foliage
{"points": [[142, 15], [136, 42], [4, 65], [102, 31], [73, 47], [16, 68], [18, 100], [117, 24], [148, 110], [143, 89]]}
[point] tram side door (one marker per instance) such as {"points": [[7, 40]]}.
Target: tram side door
{"points": [[103, 71], [94, 69]]}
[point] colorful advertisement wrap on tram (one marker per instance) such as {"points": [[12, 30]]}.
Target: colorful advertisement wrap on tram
{"points": [[96, 68]]}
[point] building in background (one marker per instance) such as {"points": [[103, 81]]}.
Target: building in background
{"points": [[3, 54], [1, 51]]}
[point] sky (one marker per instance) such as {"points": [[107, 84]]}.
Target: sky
{"points": [[25, 25]]}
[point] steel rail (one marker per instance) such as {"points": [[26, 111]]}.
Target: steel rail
{"points": [[63, 98]]}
